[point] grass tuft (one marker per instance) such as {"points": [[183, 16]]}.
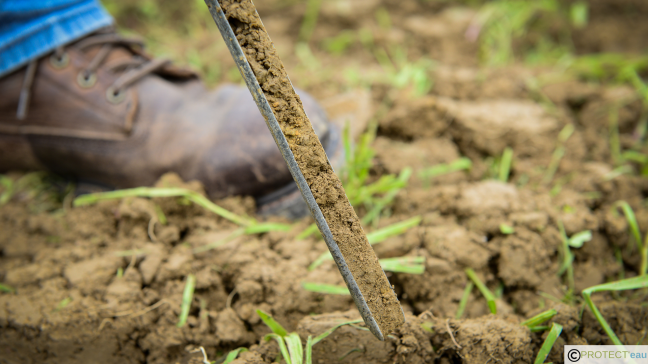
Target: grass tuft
{"points": [[290, 345]]}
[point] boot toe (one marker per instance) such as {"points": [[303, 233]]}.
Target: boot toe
{"points": [[244, 160]]}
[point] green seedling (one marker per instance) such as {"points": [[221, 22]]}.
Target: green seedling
{"points": [[8, 189], [310, 20], [636, 157], [379, 204], [410, 265], [4, 288], [187, 298], [290, 345], [539, 318], [355, 176], [505, 164], [623, 285], [325, 288], [338, 44], [578, 14], [618, 171], [488, 295], [576, 241], [556, 329], [233, 354], [464, 300], [63, 304], [161, 217], [383, 19], [558, 153], [636, 234], [461, 164], [506, 229], [428, 326], [375, 237]]}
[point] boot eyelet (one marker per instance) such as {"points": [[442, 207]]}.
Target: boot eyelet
{"points": [[115, 96], [86, 80], [60, 61]]}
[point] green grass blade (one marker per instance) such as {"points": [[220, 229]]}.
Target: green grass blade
{"points": [[8, 192], [309, 350], [216, 244], [160, 215], [267, 227], [398, 228], [310, 20], [375, 237], [233, 354], [631, 218], [556, 329], [272, 324], [282, 345], [293, 342], [187, 297], [460, 164], [381, 203], [411, 265], [464, 300], [539, 328], [488, 295], [163, 192], [328, 332], [325, 288], [642, 246], [540, 318], [310, 230], [6, 289], [505, 164], [626, 284]]}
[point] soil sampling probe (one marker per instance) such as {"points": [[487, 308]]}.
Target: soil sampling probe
{"points": [[266, 78]]}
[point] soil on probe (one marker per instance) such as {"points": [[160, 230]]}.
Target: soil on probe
{"points": [[311, 158]]}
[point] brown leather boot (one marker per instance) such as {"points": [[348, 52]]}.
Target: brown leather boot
{"points": [[104, 112]]}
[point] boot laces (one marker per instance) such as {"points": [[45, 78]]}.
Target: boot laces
{"points": [[132, 69]]}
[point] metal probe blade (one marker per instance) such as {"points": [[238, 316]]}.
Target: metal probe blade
{"points": [[261, 101]]}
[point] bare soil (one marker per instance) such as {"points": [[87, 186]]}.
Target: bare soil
{"points": [[72, 306]]}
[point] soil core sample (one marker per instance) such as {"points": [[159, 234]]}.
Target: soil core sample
{"points": [[313, 163]]}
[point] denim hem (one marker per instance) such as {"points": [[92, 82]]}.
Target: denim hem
{"points": [[42, 36]]}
